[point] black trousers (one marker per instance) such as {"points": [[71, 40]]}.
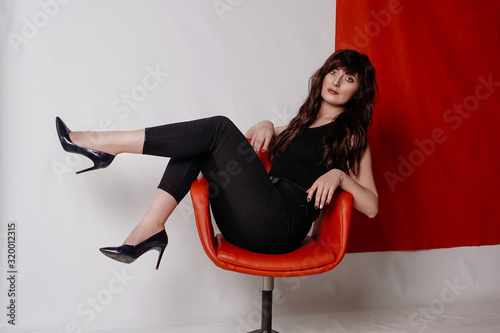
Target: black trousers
{"points": [[250, 211]]}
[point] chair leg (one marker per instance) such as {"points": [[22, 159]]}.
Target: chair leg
{"points": [[267, 305]]}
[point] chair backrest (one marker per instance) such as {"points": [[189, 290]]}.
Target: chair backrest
{"points": [[332, 228]]}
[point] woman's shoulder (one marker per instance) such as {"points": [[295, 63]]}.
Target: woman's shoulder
{"points": [[279, 129]]}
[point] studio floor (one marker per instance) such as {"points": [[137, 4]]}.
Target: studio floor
{"points": [[474, 315]]}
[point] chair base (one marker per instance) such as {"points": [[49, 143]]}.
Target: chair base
{"points": [[267, 306]]}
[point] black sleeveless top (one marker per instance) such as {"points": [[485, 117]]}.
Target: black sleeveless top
{"points": [[301, 162]]}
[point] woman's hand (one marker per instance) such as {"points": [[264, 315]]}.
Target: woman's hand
{"points": [[362, 187], [325, 187], [261, 135]]}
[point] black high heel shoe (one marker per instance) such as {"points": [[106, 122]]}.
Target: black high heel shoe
{"points": [[129, 253], [101, 159]]}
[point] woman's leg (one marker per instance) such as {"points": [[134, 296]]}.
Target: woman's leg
{"points": [[153, 220], [116, 142], [249, 210], [176, 181], [113, 142]]}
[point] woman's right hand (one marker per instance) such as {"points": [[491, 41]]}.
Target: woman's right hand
{"points": [[261, 135]]}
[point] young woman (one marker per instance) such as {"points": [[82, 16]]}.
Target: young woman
{"points": [[324, 147]]}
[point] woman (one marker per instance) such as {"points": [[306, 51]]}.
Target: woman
{"points": [[324, 147]]}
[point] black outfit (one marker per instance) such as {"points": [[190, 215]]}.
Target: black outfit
{"points": [[252, 210]]}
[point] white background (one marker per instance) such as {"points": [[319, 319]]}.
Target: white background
{"points": [[248, 60]]}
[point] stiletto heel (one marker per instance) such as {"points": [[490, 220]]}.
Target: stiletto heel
{"points": [[89, 169], [100, 159], [161, 250], [129, 253]]}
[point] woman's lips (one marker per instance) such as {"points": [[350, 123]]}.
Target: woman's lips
{"points": [[333, 92]]}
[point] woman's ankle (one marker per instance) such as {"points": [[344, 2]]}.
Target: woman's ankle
{"points": [[111, 142], [142, 232], [95, 140]]}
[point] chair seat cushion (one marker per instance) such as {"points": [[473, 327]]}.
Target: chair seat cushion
{"points": [[311, 254]]}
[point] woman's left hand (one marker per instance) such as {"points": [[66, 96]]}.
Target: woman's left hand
{"points": [[325, 187], [262, 135]]}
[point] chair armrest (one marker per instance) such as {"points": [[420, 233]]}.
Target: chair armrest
{"points": [[199, 197], [333, 229]]}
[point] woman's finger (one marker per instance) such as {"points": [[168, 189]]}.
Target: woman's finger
{"points": [[257, 144], [266, 145], [319, 194], [324, 197], [310, 191], [330, 196], [252, 142]]}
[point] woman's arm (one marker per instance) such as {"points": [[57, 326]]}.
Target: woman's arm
{"points": [[361, 187], [262, 133]]}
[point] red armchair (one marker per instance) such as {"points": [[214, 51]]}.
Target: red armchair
{"points": [[320, 252]]}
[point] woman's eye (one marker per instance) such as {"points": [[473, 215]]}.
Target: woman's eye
{"points": [[349, 79], [332, 72]]}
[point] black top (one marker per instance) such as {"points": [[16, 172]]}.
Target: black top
{"points": [[301, 162]]}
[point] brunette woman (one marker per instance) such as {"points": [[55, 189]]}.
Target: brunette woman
{"points": [[323, 148]]}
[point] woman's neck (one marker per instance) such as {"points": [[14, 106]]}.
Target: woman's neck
{"points": [[328, 112]]}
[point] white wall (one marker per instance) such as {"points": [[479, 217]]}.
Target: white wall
{"points": [[249, 60]]}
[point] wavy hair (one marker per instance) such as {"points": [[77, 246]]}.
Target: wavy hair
{"points": [[347, 138]]}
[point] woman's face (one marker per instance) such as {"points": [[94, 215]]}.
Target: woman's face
{"points": [[339, 87]]}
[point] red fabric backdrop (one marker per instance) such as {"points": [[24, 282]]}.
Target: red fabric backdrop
{"points": [[435, 135]]}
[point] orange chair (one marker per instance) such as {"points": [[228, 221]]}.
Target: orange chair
{"points": [[320, 252]]}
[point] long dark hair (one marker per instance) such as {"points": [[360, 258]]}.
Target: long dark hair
{"points": [[347, 138]]}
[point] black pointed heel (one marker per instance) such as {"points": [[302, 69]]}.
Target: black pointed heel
{"points": [[101, 159], [129, 253]]}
